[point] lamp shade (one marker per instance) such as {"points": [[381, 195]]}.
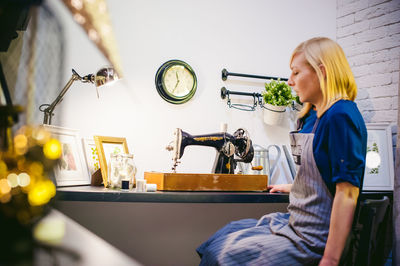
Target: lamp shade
{"points": [[105, 76]]}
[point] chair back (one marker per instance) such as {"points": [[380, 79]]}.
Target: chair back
{"points": [[366, 243]]}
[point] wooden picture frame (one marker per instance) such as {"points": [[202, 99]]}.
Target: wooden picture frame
{"points": [[379, 170], [105, 146], [71, 169]]}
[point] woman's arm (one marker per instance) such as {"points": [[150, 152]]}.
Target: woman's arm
{"points": [[344, 205], [280, 188]]}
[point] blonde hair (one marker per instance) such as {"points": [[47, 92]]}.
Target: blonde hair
{"points": [[339, 82]]}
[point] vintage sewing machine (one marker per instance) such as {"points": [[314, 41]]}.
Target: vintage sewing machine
{"points": [[227, 146]]}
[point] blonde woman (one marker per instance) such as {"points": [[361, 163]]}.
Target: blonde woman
{"points": [[329, 148]]}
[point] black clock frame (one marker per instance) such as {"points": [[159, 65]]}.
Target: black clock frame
{"points": [[160, 86]]}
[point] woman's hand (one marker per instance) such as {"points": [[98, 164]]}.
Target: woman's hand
{"points": [[280, 188], [328, 262]]}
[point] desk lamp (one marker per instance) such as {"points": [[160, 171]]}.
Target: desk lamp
{"points": [[102, 77]]}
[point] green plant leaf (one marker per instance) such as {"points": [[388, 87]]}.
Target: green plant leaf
{"points": [[277, 93]]}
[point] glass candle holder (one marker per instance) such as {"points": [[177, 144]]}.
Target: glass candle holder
{"points": [[121, 167]]}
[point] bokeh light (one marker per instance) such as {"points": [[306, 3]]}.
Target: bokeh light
{"points": [[41, 135], [41, 193], [52, 149], [3, 169], [25, 188], [13, 180], [20, 144], [24, 179], [5, 198], [5, 187], [36, 168]]}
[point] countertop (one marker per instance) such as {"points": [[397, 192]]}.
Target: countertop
{"points": [[91, 193]]}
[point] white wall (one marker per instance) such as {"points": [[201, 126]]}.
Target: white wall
{"points": [[255, 37]]}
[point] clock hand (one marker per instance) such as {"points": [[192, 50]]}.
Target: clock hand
{"points": [[176, 85]]}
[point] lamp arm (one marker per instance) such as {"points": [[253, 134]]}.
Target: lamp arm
{"points": [[48, 112]]}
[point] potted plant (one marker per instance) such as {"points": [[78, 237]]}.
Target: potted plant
{"points": [[277, 96]]}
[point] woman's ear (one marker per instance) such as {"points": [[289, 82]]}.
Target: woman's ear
{"points": [[323, 70]]}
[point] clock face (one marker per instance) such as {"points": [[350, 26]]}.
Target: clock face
{"points": [[176, 81]]}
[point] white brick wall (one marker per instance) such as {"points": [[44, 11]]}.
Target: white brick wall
{"points": [[369, 32]]}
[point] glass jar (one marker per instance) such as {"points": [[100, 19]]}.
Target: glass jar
{"points": [[121, 167]]}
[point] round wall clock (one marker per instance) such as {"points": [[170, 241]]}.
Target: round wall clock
{"points": [[176, 81]]}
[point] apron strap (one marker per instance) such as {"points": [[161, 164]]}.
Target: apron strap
{"points": [[315, 125]]}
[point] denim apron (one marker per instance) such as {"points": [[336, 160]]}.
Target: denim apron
{"points": [[294, 238]]}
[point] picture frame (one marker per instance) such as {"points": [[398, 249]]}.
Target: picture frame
{"points": [[106, 146], [379, 170], [91, 155], [71, 170]]}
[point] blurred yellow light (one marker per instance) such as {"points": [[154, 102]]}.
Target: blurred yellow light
{"points": [[13, 180], [23, 179], [36, 168], [3, 168], [41, 135], [4, 186], [50, 230], [5, 198], [52, 149], [20, 144], [41, 193]]}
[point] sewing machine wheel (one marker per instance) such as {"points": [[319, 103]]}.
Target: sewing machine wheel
{"points": [[245, 149]]}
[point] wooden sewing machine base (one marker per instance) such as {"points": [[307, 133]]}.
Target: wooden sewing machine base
{"points": [[207, 182]]}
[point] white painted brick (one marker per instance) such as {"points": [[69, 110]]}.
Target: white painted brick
{"points": [[341, 3], [376, 2], [362, 94], [385, 43], [379, 10], [344, 21], [394, 28], [360, 15], [351, 8], [384, 67], [384, 116], [365, 104], [395, 77], [374, 80], [386, 19], [359, 71], [395, 103], [352, 29], [382, 91], [384, 103], [347, 41], [369, 58], [371, 35], [394, 52], [360, 48], [367, 115]]}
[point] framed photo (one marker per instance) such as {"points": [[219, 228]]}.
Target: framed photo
{"points": [[91, 155], [106, 146], [71, 169], [379, 170]]}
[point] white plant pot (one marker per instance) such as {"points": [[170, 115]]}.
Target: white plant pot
{"points": [[273, 114]]}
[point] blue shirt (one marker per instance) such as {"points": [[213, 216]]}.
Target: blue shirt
{"points": [[340, 144]]}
